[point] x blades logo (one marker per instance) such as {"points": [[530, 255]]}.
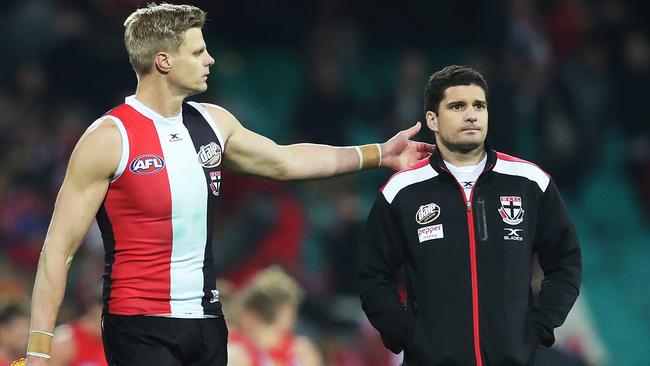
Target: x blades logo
{"points": [[513, 234]]}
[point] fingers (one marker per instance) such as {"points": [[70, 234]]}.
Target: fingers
{"points": [[413, 130], [428, 148]]}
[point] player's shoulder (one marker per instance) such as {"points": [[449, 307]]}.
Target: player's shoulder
{"points": [[103, 128], [99, 148], [217, 112], [217, 115], [417, 173], [511, 165]]}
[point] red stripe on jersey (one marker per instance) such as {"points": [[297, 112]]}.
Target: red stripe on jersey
{"points": [[417, 165], [139, 209]]}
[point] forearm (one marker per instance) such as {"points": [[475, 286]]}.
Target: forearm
{"points": [[49, 288], [313, 161]]}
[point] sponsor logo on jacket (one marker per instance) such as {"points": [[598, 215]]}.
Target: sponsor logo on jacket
{"points": [[147, 164], [511, 210], [209, 155], [427, 213], [430, 233]]}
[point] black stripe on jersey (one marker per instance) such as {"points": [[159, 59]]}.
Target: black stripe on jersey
{"points": [[108, 237], [203, 135]]}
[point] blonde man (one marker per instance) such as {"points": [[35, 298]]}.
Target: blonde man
{"points": [[150, 171], [265, 316]]}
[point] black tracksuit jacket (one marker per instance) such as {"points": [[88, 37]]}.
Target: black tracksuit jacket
{"points": [[468, 264]]}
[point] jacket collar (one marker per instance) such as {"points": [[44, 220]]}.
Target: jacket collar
{"points": [[438, 164]]}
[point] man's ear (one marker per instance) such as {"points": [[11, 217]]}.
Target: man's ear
{"points": [[432, 121], [163, 62]]}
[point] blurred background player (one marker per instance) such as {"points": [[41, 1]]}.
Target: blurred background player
{"points": [[264, 324], [79, 343], [14, 325]]}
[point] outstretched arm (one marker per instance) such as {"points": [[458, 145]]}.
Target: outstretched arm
{"points": [[93, 161], [250, 153]]}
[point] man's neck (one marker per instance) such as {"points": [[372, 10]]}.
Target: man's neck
{"points": [[159, 96], [458, 158]]}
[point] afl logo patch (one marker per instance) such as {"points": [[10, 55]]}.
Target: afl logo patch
{"points": [[427, 213], [210, 155], [147, 164]]}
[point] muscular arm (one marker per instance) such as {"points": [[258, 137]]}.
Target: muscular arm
{"points": [[93, 161], [250, 153]]}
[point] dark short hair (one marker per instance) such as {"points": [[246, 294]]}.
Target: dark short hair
{"points": [[452, 75]]}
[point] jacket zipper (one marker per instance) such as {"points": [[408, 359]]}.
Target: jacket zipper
{"points": [[472, 262]]}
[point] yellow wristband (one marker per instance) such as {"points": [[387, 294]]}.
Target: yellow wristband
{"points": [[40, 344], [371, 155]]}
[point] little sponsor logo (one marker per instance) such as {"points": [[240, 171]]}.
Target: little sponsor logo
{"points": [[209, 155], [215, 296], [174, 137], [513, 234], [430, 233], [147, 164], [427, 213]]}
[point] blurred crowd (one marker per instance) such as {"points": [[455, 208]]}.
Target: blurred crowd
{"points": [[564, 76]]}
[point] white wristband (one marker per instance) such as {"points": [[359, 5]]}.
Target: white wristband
{"points": [[41, 332], [38, 354], [358, 150], [379, 152]]}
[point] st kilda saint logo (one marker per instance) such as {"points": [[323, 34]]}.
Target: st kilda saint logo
{"points": [[147, 164], [511, 210], [215, 182], [427, 213], [209, 155]]}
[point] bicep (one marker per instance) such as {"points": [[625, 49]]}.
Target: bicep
{"points": [[246, 151], [250, 153], [84, 187]]}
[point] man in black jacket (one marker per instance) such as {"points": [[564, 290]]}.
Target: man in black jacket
{"points": [[464, 224]]}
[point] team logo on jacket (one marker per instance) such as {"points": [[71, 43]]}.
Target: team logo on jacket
{"points": [[511, 211], [427, 213], [215, 182], [147, 164], [209, 155]]}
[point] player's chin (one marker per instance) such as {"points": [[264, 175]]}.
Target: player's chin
{"points": [[198, 89]]}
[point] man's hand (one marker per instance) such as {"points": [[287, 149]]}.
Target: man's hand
{"points": [[34, 361], [400, 152]]}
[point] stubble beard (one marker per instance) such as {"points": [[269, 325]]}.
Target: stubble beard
{"points": [[461, 147]]}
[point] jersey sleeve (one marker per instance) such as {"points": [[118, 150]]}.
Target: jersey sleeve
{"points": [[559, 255], [381, 248]]}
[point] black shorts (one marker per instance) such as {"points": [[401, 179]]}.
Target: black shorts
{"points": [[152, 340]]}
